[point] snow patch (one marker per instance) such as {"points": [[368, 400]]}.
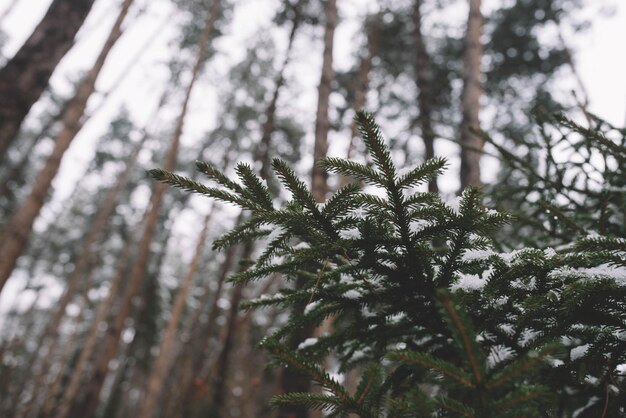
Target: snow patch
{"points": [[307, 343], [578, 352]]}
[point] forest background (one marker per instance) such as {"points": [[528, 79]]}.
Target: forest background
{"points": [[131, 116]]}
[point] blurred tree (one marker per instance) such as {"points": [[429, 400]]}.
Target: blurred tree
{"points": [[26, 75], [17, 231]]}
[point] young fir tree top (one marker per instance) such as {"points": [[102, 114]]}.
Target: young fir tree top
{"points": [[416, 291]]}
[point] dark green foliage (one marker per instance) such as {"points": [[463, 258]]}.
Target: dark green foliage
{"points": [[446, 325]]}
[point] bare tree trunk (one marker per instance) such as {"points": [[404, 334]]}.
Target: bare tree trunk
{"points": [[195, 360], [471, 143], [163, 362], [223, 360], [24, 78], [268, 126], [17, 232], [322, 124], [290, 380], [362, 87], [140, 264], [423, 80], [92, 335]]}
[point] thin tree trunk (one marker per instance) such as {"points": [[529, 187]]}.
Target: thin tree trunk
{"points": [[471, 143], [268, 125], [96, 229], [92, 335], [163, 362], [15, 236], [223, 360], [362, 87], [24, 78], [424, 81], [322, 124], [292, 381], [195, 360], [140, 265]]}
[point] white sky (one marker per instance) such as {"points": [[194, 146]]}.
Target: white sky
{"points": [[600, 58]]}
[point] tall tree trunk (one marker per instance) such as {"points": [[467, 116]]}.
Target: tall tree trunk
{"points": [[17, 232], [83, 261], [195, 360], [89, 345], [471, 143], [270, 112], [360, 96], [140, 264], [322, 124], [24, 78], [163, 362], [423, 80], [224, 358], [292, 381]]}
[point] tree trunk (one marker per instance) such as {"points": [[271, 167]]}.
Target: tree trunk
{"points": [[268, 125], [223, 360], [18, 229], [471, 143], [322, 124], [97, 228], [292, 381], [135, 279], [195, 360], [425, 98], [24, 78], [89, 345], [360, 96], [163, 362]]}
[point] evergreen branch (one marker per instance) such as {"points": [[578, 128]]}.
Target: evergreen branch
{"points": [[375, 145], [521, 395], [300, 363], [462, 327], [521, 367], [423, 173], [255, 186], [180, 182], [215, 174], [296, 186], [456, 407], [352, 169], [316, 401], [371, 376], [342, 201], [430, 362]]}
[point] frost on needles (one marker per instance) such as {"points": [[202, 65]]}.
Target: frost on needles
{"points": [[432, 317]]}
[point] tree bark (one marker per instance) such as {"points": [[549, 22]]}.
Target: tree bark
{"points": [[163, 362], [471, 143], [89, 346], [97, 228], [291, 381], [135, 279], [268, 125], [362, 87], [24, 78], [425, 98], [322, 124], [16, 234]]}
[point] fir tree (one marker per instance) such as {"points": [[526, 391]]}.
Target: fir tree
{"points": [[447, 325]]}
